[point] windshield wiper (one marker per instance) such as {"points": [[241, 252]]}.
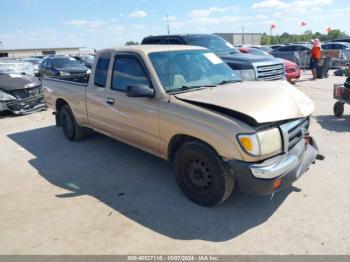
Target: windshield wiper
{"points": [[199, 86], [189, 88], [228, 81]]}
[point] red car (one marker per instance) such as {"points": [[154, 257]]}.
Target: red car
{"points": [[292, 69]]}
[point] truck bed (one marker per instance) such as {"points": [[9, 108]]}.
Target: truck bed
{"points": [[70, 88]]}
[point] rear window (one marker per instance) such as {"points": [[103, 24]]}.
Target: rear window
{"points": [[101, 70]]}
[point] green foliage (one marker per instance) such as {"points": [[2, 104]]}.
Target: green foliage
{"points": [[131, 43], [305, 37]]}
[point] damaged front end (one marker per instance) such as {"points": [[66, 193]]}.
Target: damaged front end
{"points": [[20, 94], [23, 101]]}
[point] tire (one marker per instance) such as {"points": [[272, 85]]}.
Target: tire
{"points": [[202, 175], [70, 128], [338, 109]]}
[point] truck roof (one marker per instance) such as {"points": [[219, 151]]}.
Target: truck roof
{"points": [[153, 48]]}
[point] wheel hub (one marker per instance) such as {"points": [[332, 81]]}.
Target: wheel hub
{"points": [[199, 174]]}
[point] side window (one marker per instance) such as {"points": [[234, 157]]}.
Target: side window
{"points": [[338, 46], [101, 69], [49, 64], [284, 49], [127, 70], [150, 41], [170, 41], [43, 64]]}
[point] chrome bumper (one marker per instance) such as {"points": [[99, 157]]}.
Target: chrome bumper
{"points": [[298, 159], [276, 169]]}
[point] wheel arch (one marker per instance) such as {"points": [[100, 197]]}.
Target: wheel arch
{"points": [[60, 102], [180, 139]]}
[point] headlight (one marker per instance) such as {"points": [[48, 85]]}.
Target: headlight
{"points": [[261, 143], [64, 73], [245, 75], [6, 97], [88, 71]]}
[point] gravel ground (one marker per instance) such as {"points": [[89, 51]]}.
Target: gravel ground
{"points": [[100, 196]]}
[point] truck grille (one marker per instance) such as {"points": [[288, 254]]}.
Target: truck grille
{"points": [[293, 132], [270, 72], [26, 92]]}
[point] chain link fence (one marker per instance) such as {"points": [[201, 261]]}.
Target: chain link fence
{"points": [[302, 58]]}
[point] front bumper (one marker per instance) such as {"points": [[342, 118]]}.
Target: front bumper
{"points": [[293, 75], [24, 106], [261, 178]]}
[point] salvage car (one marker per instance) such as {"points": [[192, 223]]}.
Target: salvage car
{"points": [[246, 67], [185, 105], [61, 65], [20, 91]]}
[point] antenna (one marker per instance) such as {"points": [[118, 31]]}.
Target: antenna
{"points": [[167, 22]]}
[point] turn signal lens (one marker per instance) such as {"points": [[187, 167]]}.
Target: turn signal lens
{"points": [[247, 143], [250, 144], [277, 183]]}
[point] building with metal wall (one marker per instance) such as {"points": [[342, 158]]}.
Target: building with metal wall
{"points": [[242, 38], [28, 52]]}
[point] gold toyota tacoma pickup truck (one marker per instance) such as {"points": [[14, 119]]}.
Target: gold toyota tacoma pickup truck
{"points": [[183, 104]]}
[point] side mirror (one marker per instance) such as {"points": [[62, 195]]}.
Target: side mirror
{"points": [[37, 74], [139, 90]]}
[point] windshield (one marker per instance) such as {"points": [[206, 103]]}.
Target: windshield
{"points": [[215, 43], [65, 62], [34, 61], [89, 59], [17, 68], [183, 70]]}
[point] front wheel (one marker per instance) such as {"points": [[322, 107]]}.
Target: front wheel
{"points": [[202, 175], [338, 109]]}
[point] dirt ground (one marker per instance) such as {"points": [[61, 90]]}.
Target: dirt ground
{"points": [[100, 196]]}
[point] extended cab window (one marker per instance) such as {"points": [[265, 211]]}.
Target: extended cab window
{"points": [[101, 70], [127, 70]]}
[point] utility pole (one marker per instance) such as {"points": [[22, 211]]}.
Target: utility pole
{"points": [[243, 35], [168, 26]]}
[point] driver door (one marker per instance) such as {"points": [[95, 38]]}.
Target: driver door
{"points": [[134, 120]]}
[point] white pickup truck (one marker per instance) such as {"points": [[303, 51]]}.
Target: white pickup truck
{"points": [[185, 105]]}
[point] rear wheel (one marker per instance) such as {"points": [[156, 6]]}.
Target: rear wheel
{"points": [[202, 175], [338, 109], [70, 128]]}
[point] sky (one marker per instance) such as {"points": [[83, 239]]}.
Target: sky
{"points": [[108, 23]]}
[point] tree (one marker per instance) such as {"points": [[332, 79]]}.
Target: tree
{"points": [[335, 34], [265, 39], [130, 42]]}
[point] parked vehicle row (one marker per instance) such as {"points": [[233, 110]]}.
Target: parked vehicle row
{"points": [[186, 105], [246, 67]]}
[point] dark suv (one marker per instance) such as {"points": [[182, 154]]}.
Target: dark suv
{"points": [[61, 66], [245, 66]]}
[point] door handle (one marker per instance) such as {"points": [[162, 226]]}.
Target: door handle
{"points": [[110, 100]]}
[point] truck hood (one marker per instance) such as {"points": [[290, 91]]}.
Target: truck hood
{"points": [[263, 102], [248, 58]]}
